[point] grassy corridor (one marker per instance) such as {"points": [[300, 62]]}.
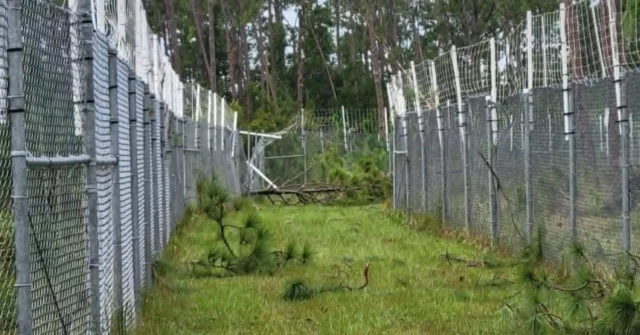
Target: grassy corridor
{"points": [[412, 290]]}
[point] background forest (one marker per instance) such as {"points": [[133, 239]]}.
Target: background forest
{"points": [[274, 57]]}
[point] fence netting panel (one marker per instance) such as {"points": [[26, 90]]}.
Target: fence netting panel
{"points": [[633, 101], [166, 154], [414, 161], [598, 179], [549, 170], [142, 219], [156, 179], [477, 144], [57, 201], [400, 174], [455, 168], [433, 168], [104, 180], [191, 157], [509, 168], [126, 210]]}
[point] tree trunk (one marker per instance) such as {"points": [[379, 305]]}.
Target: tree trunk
{"points": [[273, 41], [337, 8], [213, 75], [173, 38], [206, 57], [376, 65], [233, 61], [270, 83], [246, 71], [300, 57]]}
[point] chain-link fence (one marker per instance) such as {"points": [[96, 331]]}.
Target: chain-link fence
{"points": [[97, 164], [531, 133]]}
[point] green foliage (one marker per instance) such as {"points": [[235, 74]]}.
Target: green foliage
{"points": [[361, 173], [297, 290], [246, 248], [582, 302]]}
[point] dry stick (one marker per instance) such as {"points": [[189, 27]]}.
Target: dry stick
{"points": [[553, 318], [499, 189]]}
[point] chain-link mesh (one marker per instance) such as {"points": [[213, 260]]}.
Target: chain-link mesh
{"points": [[455, 168], [598, 198], [478, 171], [126, 210], [400, 164], [57, 200], [142, 219], [157, 214], [71, 290], [550, 170], [104, 180], [414, 162], [191, 156], [167, 197]]}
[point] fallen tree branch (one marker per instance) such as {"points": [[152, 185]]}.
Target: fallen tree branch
{"points": [[469, 263]]}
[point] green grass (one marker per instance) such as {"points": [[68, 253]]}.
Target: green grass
{"points": [[412, 290]]}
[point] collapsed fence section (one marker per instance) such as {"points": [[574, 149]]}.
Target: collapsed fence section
{"points": [[316, 149]]}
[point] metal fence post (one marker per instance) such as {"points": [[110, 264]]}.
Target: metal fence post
{"points": [[344, 129], [422, 128], [569, 127], [493, 199], [91, 187], [155, 180], [211, 137], [443, 161], [623, 119], [527, 107], [619, 79], [492, 142], [147, 185], [165, 149], [133, 149], [115, 192], [462, 124], [16, 104], [183, 170], [304, 146], [172, 152], [183, 167]]}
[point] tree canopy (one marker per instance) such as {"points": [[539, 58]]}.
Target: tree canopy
{"points": [[274, 57]]}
